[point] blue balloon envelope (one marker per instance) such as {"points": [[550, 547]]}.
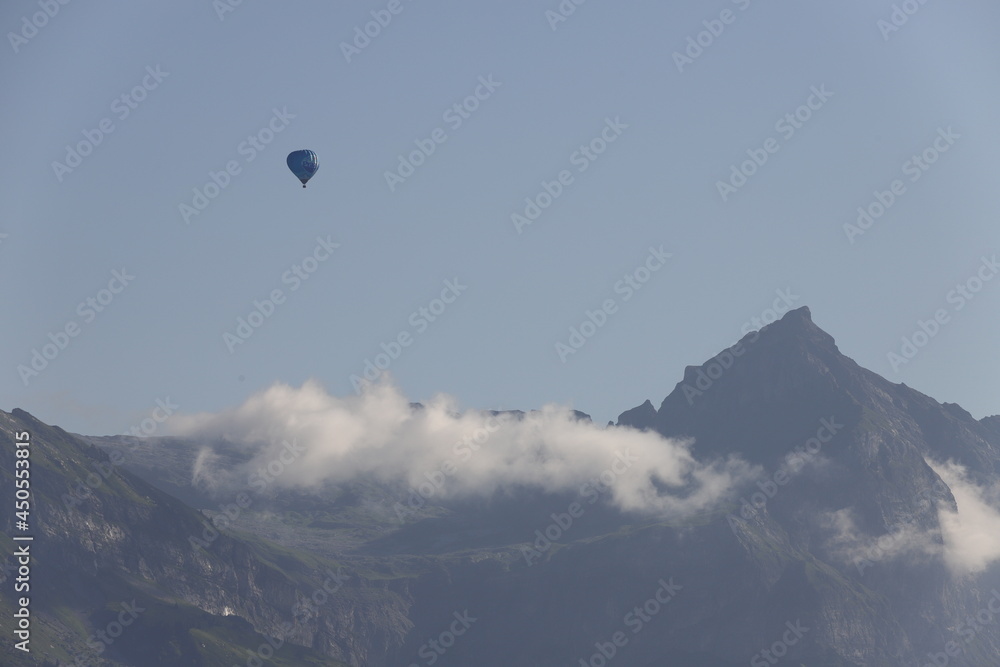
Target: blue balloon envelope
{"points": [[303, 164]]}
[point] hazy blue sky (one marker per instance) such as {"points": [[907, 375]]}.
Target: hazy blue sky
{"points": [[886, 96]]}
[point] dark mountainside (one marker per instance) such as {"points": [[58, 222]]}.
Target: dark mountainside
{"points": [[105, 538], [448, 583]]}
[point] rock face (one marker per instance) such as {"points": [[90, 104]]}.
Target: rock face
{"points": [[841, 552]]}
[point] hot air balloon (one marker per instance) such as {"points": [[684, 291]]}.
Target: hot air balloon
{"points": [[303, 164]]}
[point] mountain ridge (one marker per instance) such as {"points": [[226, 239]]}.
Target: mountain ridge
{"points": [[845, 529]]}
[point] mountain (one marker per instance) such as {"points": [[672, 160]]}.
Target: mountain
{"points": [[774, 394], [863, 539], [785, 382], [794, 368]]}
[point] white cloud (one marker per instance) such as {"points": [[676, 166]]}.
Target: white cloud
{"points": [[310, 437], [968, 537], [972, 534]]}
